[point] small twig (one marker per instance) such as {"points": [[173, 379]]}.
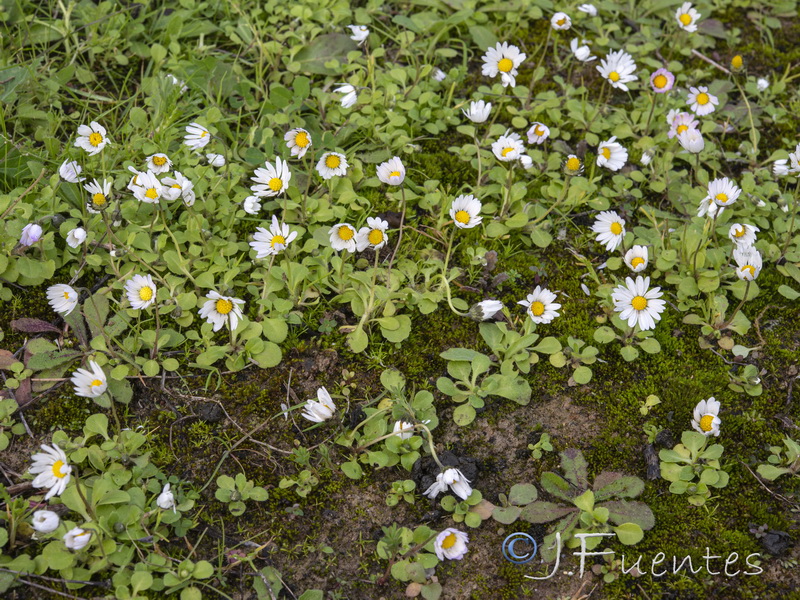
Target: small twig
{"points": [[761, 483], [22, 195], [709, 61]]}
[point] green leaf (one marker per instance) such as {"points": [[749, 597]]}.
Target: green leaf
{"points": [[312, 58], [585, 501], [629, 353], [629, 533], [582, 375], [544, 512], [522, 493], [548, 345], [464, 415], [506, 514], [352, 469]]}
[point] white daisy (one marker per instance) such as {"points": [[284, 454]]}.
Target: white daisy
{"points": [[360, 33], [465, 212], [438, 75], [403, 430], [149, 189], [219, 310], [76, 237], [62, 298], [610, 229], [701, 102], [31, 233], [723, 191], [77, 538], [332, 164], [478, 111], [455, 480], [451, 543], [687, 17], [45, 521], [100, 195], [321, 409], [251, 205], [271, 180], [92, 138], [166, 499], [343, 237], [573, 165], [748, 262], [267, 242], [692, 140], [141, 291], [350, 96], [196, 136], [780, 168], [743, 235], [680, 122], [298, 141], [70, 171], [705, 419], [159, 163], [373, 235], [215, 160], [538, 133], [485, 310], [503, 59], [560, 21], [176, 187], [794, 160], [51, 469], [508, 147], [618, 68], [392, 172], [582, 53], [762, 84], [541, 305], [89, 384], [611, 154], [589, 9], [526, 161], [709, 208], [636, 258], [638, 305]]}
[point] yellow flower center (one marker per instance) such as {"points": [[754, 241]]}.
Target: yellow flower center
{"points": [[639, 302], [574, 163], [613, 76], [449, 541], [750, 268], [375, 237], [538, 131], [685, 19], [96, 382], [159, 161], [332, 161], [346, 233], [151, 193], [203, 134], [660, 81], [606, 153], [561, 22], [505, 65], [277, 239], [505, 151], [537, 308], [98, 199], [57, 469], [145, 293], [636, 261], [175, 186], [275, 184], [462, 216], [616, 228], [736, 62], [301, 139], [706, 422], [723, 198], [223, 306], [739, 232], [394, 174], [702, 98], [66, 295], [681, 128], [95, 139]]}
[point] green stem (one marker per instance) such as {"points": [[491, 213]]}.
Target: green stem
{"points": [[791, 223], [652, 110], [480, 165], [400, 234], [738, 307], [558, 201]]}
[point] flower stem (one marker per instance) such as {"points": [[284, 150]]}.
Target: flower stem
{"points": [[400, 234], [736, 310]]}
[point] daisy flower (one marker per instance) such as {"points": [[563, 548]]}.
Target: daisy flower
{"points": [[618, 69], [762, 84], [611, 154], [70, 171], [31, 233], [298, 141], [452, 478], [526, 161], [705, 419], [270, 180], [465, 212], [141, 291], [173, 188], [541, 305], [321, 409], [638, 305], [51, 469], [478, 111], [98, 200], [403, 430], [573, 165], [332, 164], [219, 310], [215, 160], [508, 147], [709, 207], [485, 310], [636, 258], [610, 229], [149, 189], [560, 21], [76, 237], [159, 163], [251, 205], [692, 140], [45, 521], [92, 138], [662, 81], [780, 168], [451, 543], [373, 235], [77, 538], [503, 59], [360, 33], [89, 384], [687, 17], [438, 74], [743, 235], [538, 133], [723, 191], [701, 102], [589, 9], [748, 262], [350, 96], [343, 237], [267, 242], [197, 136], [392, 172], [62, 298], [166, 499], [794, 160], [582, 53], [680, 122]]}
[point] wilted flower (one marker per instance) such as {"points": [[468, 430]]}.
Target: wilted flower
{"points": [[403, 430], [31, 233], [166, 499], [453, 478], [321, 409], [215, 160], [485, 310], [70, 171], [478, 111], [76, 237], [45, 521]]}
